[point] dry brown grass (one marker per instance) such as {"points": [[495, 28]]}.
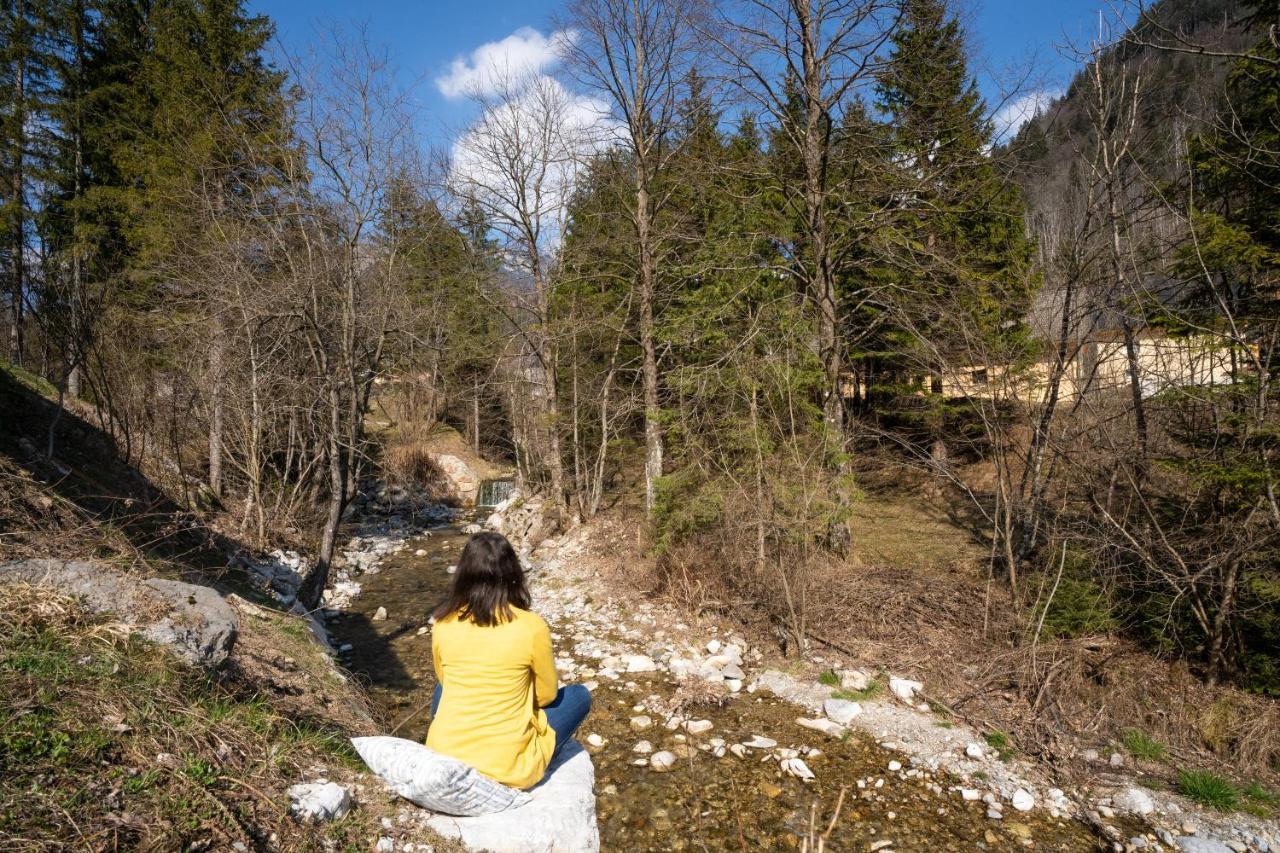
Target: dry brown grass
{"points": [[408, 461], [914, 598]]}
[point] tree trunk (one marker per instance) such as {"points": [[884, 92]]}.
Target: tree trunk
{"points": [[652, 428], [822, 280], [312, 589], [217, 353], [17, 188]]}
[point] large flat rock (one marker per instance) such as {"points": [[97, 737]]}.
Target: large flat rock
{"points": [[195, 621], [561, 817]]}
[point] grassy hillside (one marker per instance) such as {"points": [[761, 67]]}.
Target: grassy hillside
{"points": [[108, 741]]}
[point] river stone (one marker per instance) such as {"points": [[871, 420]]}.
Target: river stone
{"points": [[641, 723], [1022, 800], [1135, 801], [854, 679], [663, 761], [1192, 844], [827, 727], [841, 711], [318, 801], [904, 689], [559, 818], [195, 621], [639, 663]]}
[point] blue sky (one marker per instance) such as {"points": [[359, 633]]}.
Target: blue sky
{"points": [[424, 37]]}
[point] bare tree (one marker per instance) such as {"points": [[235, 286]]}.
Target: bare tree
{"points": [[517, 165], [801, 62], [639, 53]]}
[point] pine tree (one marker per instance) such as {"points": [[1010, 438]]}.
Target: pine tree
{"points": [[25, 80], [961, 252]]}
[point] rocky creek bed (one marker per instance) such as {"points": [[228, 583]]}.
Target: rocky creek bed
{"points": [[743, 799], [699, 744]]}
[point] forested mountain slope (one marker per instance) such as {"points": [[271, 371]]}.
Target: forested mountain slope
{"points": [[1175, 93]]}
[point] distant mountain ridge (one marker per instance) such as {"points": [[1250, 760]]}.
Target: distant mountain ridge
{"points": [[1177, 92]]}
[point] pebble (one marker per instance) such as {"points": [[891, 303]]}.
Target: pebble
{"points": [[643, 747], [639, 724], [974, 750], [1022, 800], [895, 766], [380, 614], [970, 794], [797, 768], [697, 727], [661, 762], [594, 741], [881, 844]]}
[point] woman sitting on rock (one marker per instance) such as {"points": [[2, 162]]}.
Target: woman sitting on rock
{"points": [[496, 706]]}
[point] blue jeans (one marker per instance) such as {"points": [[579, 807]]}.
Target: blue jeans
{"points": [[565, 713]]}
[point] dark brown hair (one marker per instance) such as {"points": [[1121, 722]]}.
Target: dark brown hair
{"points": [[488, 583]]}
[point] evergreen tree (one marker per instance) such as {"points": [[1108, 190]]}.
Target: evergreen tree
{"points": [[25, 91], [960, 251]]}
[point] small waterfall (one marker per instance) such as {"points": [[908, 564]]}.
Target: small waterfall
{"points": [[493, 492]]}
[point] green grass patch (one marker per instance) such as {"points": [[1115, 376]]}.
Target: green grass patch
{"points": [[1000, 742], [829, 678], [1209, 789], [1144, 746], [1260, 801]]}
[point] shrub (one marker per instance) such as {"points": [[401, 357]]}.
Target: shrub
{"points": [[1079, 606]]}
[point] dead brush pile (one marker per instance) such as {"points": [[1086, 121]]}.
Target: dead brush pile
{"points": [[408, 462], [106, 742]]}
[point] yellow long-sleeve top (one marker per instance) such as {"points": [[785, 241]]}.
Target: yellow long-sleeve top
{"points": [[495, 682]]}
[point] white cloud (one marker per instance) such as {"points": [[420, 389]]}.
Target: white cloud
{"points": [[531, 147], [1010, 118], [524, 53]]}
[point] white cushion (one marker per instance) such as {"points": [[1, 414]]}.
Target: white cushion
{"points": [[434, 781]]}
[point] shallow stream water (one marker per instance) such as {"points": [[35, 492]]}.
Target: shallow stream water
{"points": [[703, 803]]}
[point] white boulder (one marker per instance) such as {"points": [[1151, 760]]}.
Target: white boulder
{"points": [[319, 801], [841, 711], [559, 818], [904, 689], [1135, 801]]}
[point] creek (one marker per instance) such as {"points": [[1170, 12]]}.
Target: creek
{"points": [[703, 802]]}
